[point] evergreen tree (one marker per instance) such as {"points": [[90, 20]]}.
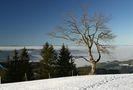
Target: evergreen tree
{"points": [[48, 61], [3, 72], [13, 74], [19, 68], [25, 66], [73, 68], [65, 63]]}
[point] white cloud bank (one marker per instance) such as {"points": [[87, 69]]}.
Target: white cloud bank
{"points": [[118, 53]]}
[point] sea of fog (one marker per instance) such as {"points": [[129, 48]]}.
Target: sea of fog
{"points": [[120, 53]]}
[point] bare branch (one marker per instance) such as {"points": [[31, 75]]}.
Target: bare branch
{"points": [[81, 57]]}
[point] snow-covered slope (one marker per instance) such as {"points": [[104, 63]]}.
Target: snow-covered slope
{"points": [[95, 82]]}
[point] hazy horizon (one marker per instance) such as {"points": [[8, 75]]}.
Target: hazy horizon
{"points": [[120, 53]]}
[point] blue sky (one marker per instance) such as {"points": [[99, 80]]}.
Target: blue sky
{"points": [[26, 22]]}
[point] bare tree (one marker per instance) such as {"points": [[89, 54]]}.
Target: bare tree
{"points": [[88, 30]]}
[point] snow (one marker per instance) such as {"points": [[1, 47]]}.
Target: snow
{"points": [[88, 82]]}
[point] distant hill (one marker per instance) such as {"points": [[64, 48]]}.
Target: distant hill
{"points": [[114, 67]]}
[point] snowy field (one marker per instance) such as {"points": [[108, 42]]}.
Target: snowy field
{"points": [[92, 82]]}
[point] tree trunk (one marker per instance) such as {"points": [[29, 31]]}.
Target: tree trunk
{"points": [[25, 76], [93, 68], [49, 76]]}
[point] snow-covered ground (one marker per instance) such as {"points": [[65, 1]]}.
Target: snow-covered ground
{"points": [[89, 82]]}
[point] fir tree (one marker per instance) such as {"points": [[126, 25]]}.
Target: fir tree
{"points": [[65, 63], [73, 68], [25, 66], [48, 61], [13, 74], [19, 68]]}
